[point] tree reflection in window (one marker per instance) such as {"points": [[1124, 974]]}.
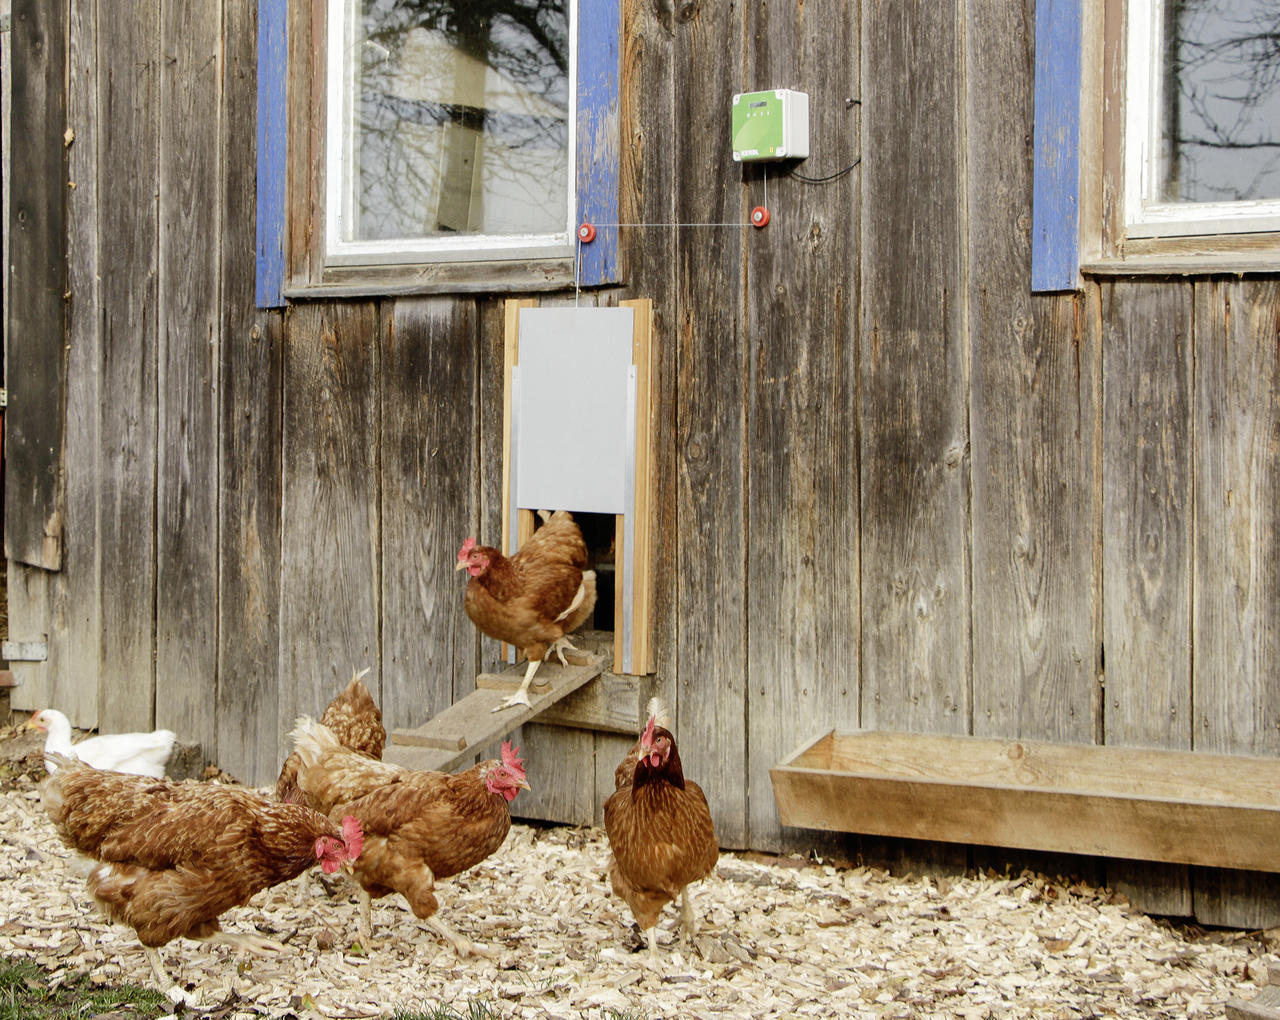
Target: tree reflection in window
{"points": [[460, 118], [1221, 114]]}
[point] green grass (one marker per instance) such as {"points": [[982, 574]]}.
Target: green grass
{"points": [[476, 1009], [25, 995]]}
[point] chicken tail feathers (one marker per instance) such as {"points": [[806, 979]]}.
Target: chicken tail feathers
{"points": [[61, 761], [313, 740], [658, 712]]}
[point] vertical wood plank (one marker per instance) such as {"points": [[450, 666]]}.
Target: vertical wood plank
{"points": [[1146, 527], [129, 95], [251, 364], [711, 614], [250, 682], [914, 441], [1147, 513], [1236, 635], [610, 748], [30, 595], [35, 282], [304, 152], [561, 766], [75, 643], [1034, 590], [498, 337], [803, 642], [429, 423], [1033, 416], [331, 543], [69, 679], [494, 418], [190, 227], [915, 521], [648, 259], [1235, 632]]}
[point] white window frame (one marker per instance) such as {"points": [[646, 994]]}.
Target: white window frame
{"points": [[1144, 215], [339, 89]]}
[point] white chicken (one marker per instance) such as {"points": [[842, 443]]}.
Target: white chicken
{"points": [[142, 754]]}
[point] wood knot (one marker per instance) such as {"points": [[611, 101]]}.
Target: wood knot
{"points": [[1016, 752]]}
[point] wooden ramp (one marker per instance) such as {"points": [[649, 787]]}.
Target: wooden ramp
{"points": [[453, 738]]}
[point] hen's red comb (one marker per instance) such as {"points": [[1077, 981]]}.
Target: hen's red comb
{"points": [[467, 546], [510, 757], [646, 738], [353, 836]]}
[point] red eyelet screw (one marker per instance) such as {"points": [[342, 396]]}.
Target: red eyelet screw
{"points": [[759, 216], [586, 233]]}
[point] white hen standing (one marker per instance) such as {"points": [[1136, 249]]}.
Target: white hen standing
{"points": [[142, 754]]}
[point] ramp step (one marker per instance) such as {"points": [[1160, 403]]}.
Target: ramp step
{"points": [[457, 734]]}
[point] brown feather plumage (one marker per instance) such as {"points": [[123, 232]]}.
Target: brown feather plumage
{"points": [[523, 600], [659, 828], [174, 856], [419, 826], [355, 719]]}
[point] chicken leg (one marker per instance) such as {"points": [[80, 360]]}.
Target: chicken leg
{"points": [[688, 924], [521, 697], [157, 968]]}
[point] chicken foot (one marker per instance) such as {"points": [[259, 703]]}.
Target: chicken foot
{"points": [[251, 943], [521, 697], [462, 945], [558, 646]]}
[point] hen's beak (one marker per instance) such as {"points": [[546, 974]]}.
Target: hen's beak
{"points": [[461, 565], [524, 785]]}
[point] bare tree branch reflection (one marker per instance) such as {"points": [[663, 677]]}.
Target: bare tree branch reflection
{"points": [[1222, 100], [461, 117]]}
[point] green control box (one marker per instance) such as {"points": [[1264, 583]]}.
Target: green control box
{"points": [[771, 125]]}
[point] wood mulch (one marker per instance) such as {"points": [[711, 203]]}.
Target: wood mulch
{"points": [[779, 938]]}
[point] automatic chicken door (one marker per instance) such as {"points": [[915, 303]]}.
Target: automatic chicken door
{"points": [[577, 438]]}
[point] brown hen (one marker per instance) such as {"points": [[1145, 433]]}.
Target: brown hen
{"points": [[355, 719], [659, 827], [174, 856], [419, 826], [533, 599]]}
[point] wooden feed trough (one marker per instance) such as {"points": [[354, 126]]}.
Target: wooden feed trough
{"points": [[1177, 806]]}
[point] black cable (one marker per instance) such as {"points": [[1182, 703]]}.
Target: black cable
{"points": [[829, 178]]}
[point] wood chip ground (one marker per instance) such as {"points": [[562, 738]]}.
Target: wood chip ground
{"points": [[778, 939]]}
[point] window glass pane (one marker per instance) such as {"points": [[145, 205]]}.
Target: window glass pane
{"points": [[457, 118], [1221, 101]]}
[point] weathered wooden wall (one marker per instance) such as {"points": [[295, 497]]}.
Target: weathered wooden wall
{"points": [[892, 487]]}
